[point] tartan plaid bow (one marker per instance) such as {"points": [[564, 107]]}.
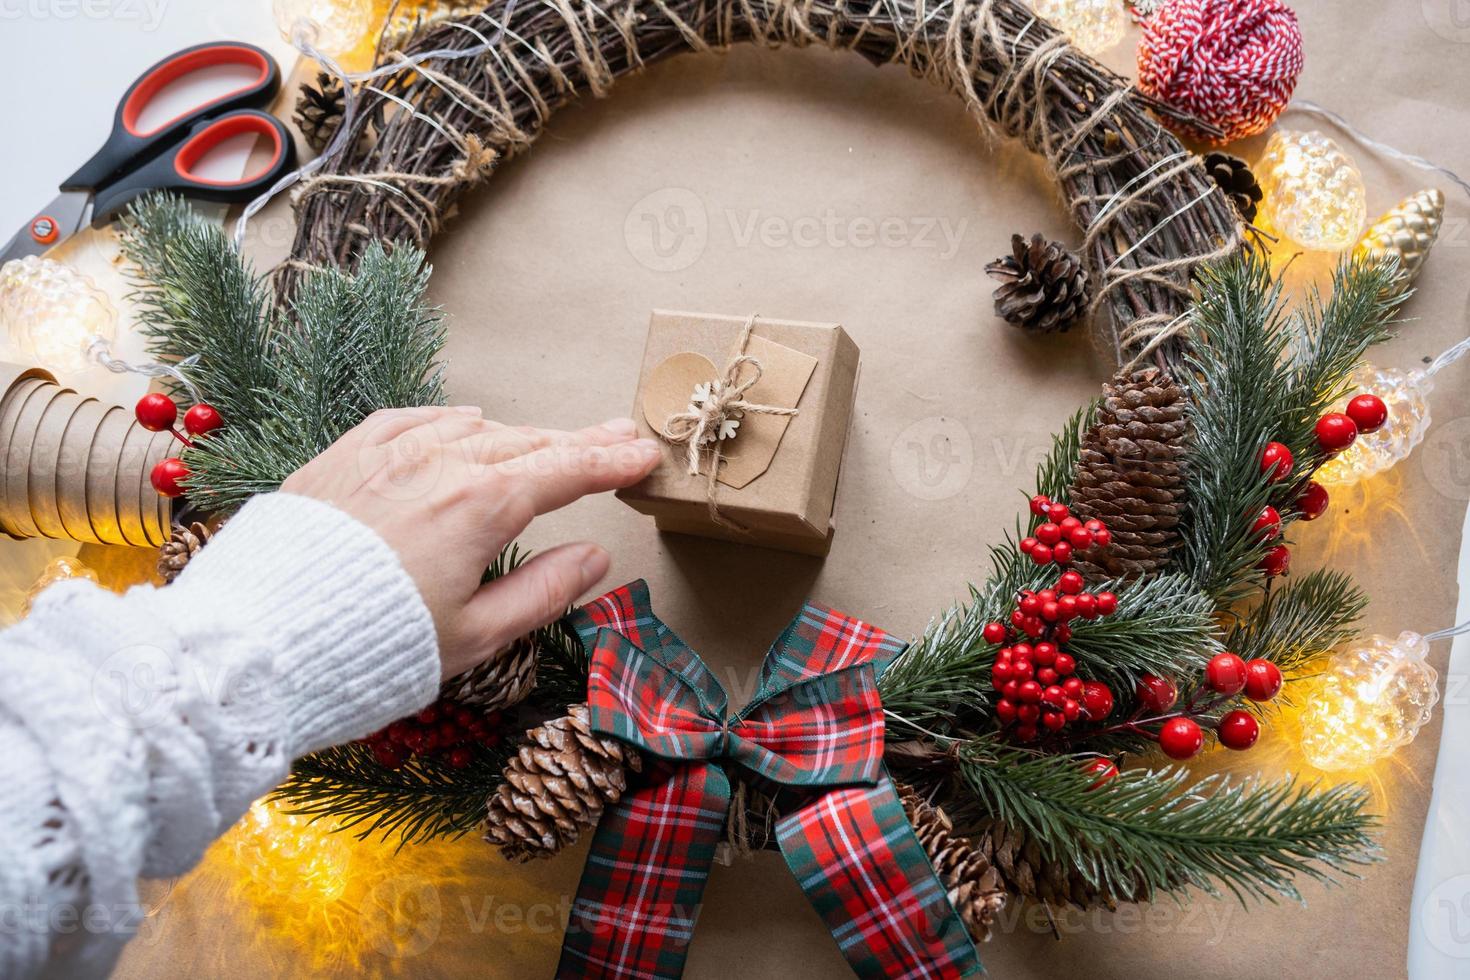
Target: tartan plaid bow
{"points": [[815, 728]]}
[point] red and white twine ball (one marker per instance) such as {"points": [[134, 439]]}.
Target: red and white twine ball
{"points": [[1232, 63]]}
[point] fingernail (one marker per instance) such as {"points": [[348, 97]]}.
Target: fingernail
{"points": [[595, 564], [469, 409], [621, 427]]}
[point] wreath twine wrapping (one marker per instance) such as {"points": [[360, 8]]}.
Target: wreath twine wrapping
{"points": [[1149, 211]]}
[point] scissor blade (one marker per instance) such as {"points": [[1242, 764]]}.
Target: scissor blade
{"points": [[50, 226]]}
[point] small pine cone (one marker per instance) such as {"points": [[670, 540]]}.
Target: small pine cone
{"points": [[557, 786], [1130, 475], [505, 679], [319, 110], [974, 886], [1024, 870], [1235, 178], [1043, 286], [177, 551]]}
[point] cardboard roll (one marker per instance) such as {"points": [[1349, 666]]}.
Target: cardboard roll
{"points": [[75, 467]]}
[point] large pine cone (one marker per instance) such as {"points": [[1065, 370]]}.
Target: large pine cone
{"points": [[557, 786], [1043, 286], [319, 110], [183, 543], [504, 679], [974, 884], [1130, 475], [1235, 178]]}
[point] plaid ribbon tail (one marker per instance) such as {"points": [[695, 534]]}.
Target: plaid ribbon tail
{"points": [[644, 878], [855, 855]]}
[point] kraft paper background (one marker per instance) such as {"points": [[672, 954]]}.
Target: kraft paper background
{"points": [[809, 185]]}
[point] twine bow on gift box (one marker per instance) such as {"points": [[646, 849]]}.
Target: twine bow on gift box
{"points": [[714, 414], [813, 733]]}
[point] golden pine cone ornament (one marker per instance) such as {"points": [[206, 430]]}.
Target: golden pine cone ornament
{"points": [[557, 786], [973, 884], [319, 110], [1407, 233], [1130, 474], [183, 543], [504, 679], [1043, 287]]}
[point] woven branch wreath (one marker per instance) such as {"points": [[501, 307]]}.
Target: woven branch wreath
{"points": [[1149, 211]]}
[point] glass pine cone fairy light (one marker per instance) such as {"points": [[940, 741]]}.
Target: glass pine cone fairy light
{"points": [[1092, 25], [50, 314], [333, 27], [1406, 394], [1312, 191], [1372, 699]]}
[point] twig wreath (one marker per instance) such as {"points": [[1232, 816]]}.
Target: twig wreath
{"points": [[1014, 724]]}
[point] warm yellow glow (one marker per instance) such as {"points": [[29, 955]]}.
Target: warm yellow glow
{"points": [[56, 570], [289, 859], [1092, 25], [1407, 396], [1370, 700], [50, 314], [333, 27], [1312, 192]]}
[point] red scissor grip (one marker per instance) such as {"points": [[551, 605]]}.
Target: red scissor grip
{"points": [[186, 63], [196, 147]]}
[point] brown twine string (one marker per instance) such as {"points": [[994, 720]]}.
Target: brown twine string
{"points": [[702, 423]]}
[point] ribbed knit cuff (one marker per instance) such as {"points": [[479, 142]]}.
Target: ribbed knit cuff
{"points": [[352, 644]]}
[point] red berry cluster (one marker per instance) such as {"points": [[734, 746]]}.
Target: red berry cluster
{"points": [[1335, 432], [1061, 535], [447, 729], [1226, 676], [157, 412], [1037, 683]]}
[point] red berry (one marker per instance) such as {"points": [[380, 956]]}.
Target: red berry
{"points": [[1262, 680], [417, 741], [389, 755], [1001, 672], [156, 411], [1087, 605], [449, 733], [1276, 561], [1026, 733], [1156, 694], [1047, 595], [1070, 583], [1041, 554], [1062, 633], [1045, 654], [1074, 687], [1005, 711], [1053, 696], [1011, 690], [1022, 651], [1080, 538], [1069, 524], [1094, 525], [1103, 769], [1097, 700], [1181, 738], [1050, 611], [1061, 553], [1059, 512], [1276, 461], [429, 715], [1039, 505], [1028, 545], [1225, 674], [1046, 676], [202, 419], [1027, 714], [1065, 664], [1368, 412], [1336, 432], [1029, 692], [994, 633], [1068, 606], [1035, 628], [1053, 720], [460, 757], [168, 476], [1313, 501], [1268, 525], [1107, 603], [1022, 670], [1238, 730], [1102, 538], [1048, 533], [397, 730], [1030, 604], [1018, 618], [464, 717], [1071, 710]]}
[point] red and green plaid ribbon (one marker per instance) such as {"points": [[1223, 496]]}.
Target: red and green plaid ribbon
{"points": [[815, 730]]}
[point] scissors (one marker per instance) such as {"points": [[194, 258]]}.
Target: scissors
{"points": [[135, 161]]}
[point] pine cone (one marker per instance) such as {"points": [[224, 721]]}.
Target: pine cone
{"points": [[177, 551], [1130, 475], [557, 786], [319, 110], [1024, 871], [1043, 286], [506, 678], [974, 885], [1235, 178]]}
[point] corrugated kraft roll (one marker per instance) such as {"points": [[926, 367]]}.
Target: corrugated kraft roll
{"points": [[75, 468]]}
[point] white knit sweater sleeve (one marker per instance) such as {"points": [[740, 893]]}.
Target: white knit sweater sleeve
{"points": [[135, 729]]}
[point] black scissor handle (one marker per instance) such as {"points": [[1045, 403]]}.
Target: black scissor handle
{"points": [[177, 169], [128, 147]]}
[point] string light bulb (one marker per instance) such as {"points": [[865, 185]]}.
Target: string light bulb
{"points": [[1312, 192], [333, 27], [1406, 394], [57, 570], [1371, 700], [1093, 26], [52, 315], [288, 858]]}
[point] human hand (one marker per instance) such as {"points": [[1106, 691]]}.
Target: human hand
{"points": [[448, 489]]}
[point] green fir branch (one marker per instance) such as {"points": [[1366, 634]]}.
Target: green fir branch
{"points": [[1300, 621], [1164, 625]]}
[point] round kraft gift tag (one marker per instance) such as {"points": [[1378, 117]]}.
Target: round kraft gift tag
{"points": [[102, 460], [71, 470], [671, 386]]}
